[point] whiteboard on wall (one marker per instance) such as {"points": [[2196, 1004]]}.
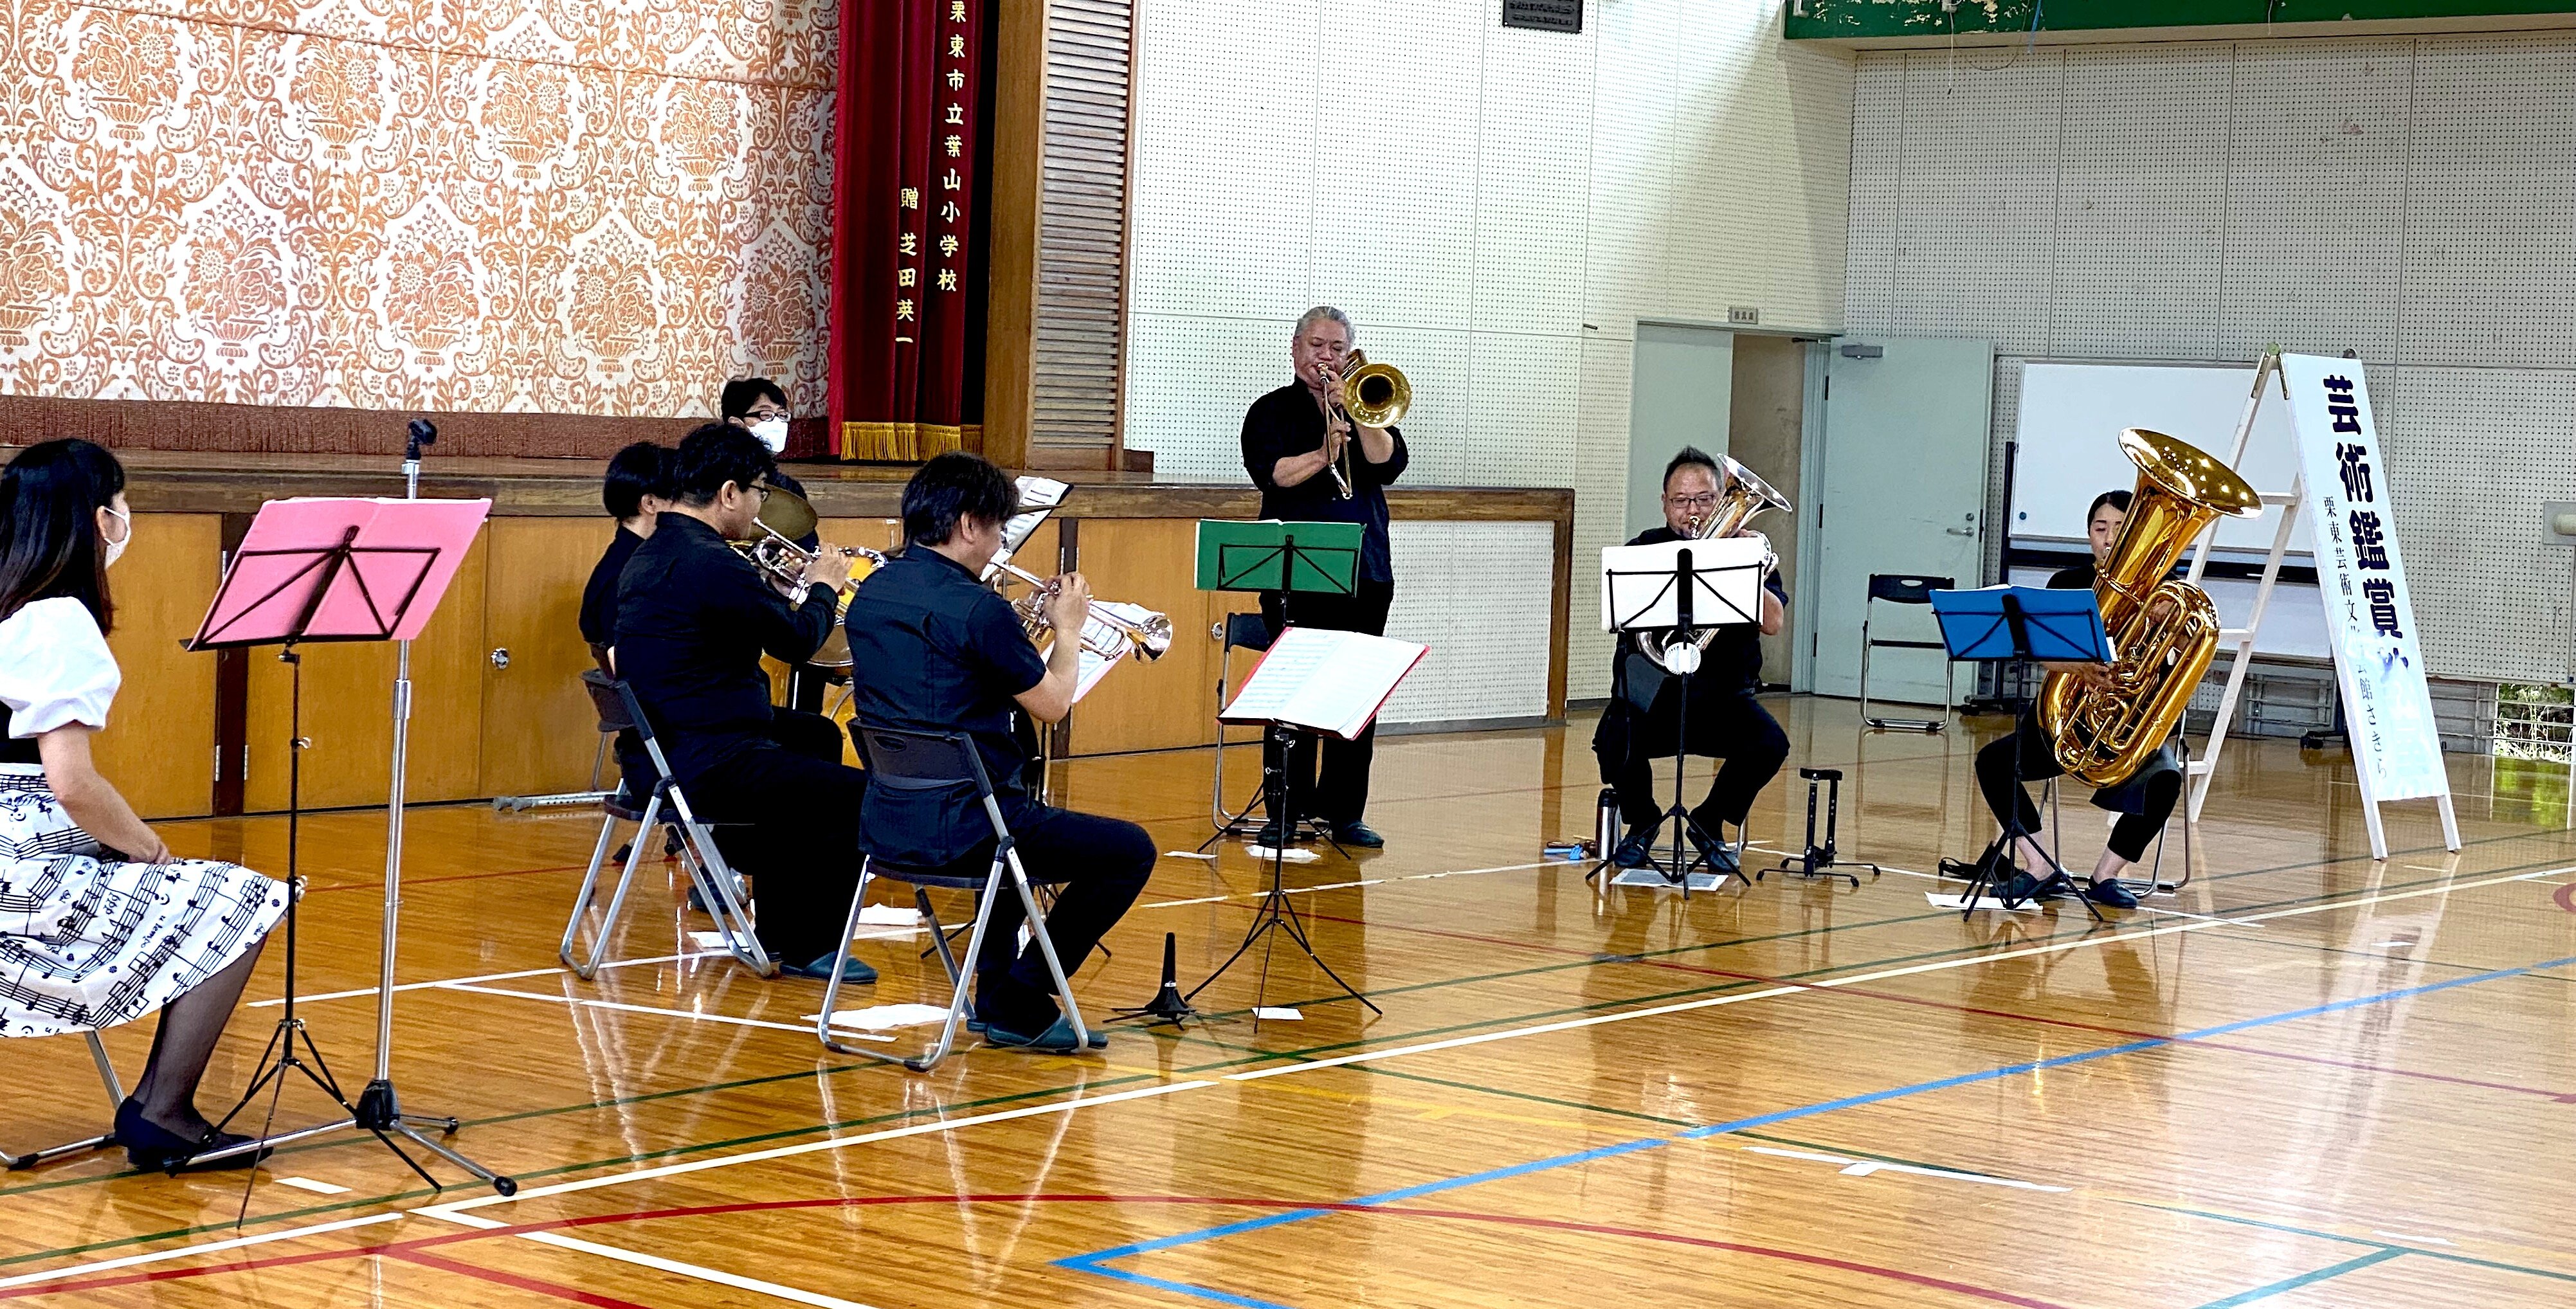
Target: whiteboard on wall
{"points": [[2069, 434]]}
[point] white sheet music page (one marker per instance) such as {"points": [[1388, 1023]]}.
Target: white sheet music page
{"points": [[1097, 633], [1324, 680]]}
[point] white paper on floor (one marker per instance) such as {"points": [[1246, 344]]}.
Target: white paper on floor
{"points": [[1188, 854], [878, 1018], [1986, 901], [714, 941], [1265, 854], [1280, 1013]]}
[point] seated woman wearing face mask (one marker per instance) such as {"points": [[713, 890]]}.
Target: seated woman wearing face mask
{"points": [[759, 406], [99, 923]]}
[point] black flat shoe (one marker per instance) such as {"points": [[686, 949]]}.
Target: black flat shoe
{"points": [[152, 1147], [1359, 834]]}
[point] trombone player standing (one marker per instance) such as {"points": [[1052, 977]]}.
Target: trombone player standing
{"points": [[1314, 463]]}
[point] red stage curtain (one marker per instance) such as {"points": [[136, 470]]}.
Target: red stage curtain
{"points": [[907, 271]]}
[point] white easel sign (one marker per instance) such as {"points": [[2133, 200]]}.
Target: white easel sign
{"points": [[2361, 576]]}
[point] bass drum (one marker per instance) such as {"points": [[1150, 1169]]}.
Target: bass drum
{"points": [[836, 647]]}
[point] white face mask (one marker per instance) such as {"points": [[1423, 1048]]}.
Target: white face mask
{"points": [[116, 547], [772, 433]]}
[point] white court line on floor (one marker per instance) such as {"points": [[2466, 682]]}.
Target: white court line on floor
{"points": [[1872, 1167], [308, 1184], [452, 1211], [588, 1003], [484, 977], [654, 1262]]}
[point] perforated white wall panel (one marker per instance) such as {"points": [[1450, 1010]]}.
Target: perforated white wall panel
{"points": [[1477, 594], [2411, 200], [1495, 208]]}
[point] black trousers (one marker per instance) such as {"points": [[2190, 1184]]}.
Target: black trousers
{"points": [[786, 815], [2152, 793], [1102, 863], [1723, 723], [1340, 793]]}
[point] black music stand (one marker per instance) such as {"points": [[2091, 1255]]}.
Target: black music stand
{"points": [[1662, 604], [276, 595], [2018, 625], [1287, 558]]}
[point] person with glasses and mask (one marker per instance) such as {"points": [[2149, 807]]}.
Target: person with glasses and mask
{"points": [[694, 616], [1725, 720], [759, 406], [100, 923]]}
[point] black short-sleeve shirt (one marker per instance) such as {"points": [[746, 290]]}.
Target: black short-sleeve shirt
{"points": [[1288, 422], [937, 651], [693, 618], [599, 595]]}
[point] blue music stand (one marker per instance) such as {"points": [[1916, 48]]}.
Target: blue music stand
{"points": [[2019, 625]]}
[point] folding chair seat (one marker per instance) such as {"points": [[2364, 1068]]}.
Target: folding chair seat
{"points": [[115, 1097], [1901, 589], [941, 762], [663, 807]]}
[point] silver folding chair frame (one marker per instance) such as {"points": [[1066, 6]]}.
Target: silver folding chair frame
{"points": [[115, 1098], [718, 885], [1006, 856]]}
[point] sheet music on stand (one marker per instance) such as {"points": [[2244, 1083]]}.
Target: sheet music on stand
{"points": [[1638, 591], [1324, 681], [1098, 635], [1039, 497]]}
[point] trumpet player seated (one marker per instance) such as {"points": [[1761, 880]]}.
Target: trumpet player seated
{"points": [[1316, 458], [1641, 723], [943, 653], [759, 406], [2143, 801], [693, 618]]}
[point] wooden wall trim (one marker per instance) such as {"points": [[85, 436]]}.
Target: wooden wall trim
{"points": [[1018, 163], [209, 428]]}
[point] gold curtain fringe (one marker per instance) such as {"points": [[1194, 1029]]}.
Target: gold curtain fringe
{"points": [[906, 443]]}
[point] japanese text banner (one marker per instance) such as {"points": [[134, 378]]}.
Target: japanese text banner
{"points": [[2361, 578]]}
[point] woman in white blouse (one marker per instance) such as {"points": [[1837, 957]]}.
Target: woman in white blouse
{"points": [[99, 923]]}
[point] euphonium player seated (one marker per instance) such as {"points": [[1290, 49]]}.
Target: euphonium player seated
{"points": [[2144, 801], [1638, 725], [693, 618], [937, 651]]}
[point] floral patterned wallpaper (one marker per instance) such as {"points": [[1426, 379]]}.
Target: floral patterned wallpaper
{"points": [[555, 206]]}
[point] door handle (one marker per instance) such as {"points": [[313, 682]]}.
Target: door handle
{"points": [[501, 658], [1960, 531]]}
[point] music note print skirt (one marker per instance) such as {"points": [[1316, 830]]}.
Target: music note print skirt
{"points": [[90, 941]]}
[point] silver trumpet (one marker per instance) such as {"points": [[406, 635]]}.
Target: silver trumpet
{"points": [[784, 517], [1145, 638]]}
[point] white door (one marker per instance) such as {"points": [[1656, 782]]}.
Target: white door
{"points": [[1902, 490]]}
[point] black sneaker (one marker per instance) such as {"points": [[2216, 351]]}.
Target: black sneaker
{"points": [[1717, 851], [1274, 834], [1636, 850]]}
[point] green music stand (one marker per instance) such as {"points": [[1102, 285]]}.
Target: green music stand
{"points": [[1265, 556]]}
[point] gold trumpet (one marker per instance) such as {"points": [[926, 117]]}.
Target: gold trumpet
{"points": [[1145, 638], [784, 517], [1373, 395]]}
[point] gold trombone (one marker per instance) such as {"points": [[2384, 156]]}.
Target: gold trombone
{"points": [[1373, 395]]}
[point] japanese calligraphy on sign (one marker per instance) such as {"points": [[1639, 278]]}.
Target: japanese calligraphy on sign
{"points": [[930, 242], [2362, 579]]}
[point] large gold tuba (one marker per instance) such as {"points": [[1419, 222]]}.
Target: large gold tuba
{"points": [[1745, 496], [2163, 630]]}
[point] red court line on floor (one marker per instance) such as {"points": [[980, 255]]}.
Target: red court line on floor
{"points": [[2562, 1097], [412, 1250], [2566, 897], [515, 1281], [379, 883]]}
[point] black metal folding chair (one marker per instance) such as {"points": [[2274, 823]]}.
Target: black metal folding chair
{"points": [[941, 762], [665, 807], [1243, 631], [1902, 589], [115, 1097]]}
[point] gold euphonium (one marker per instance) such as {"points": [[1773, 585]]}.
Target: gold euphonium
{"points": [[785, 517], [1745, 496], [2163, 630]]}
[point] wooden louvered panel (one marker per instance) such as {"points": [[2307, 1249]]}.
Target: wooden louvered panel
{"points": [[1082, 229]]}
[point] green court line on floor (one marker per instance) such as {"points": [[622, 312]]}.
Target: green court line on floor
{"points": [[2288, 1284]]}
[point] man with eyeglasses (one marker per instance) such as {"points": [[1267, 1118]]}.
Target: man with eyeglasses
{"points": [[693, 618], [1638, 725]]}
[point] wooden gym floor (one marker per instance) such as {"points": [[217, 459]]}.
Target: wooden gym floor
{"points": [[2306, 1079]]}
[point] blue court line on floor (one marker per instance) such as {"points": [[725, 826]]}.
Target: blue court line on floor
{"points": [[2288, 1284], [1096, 1261]]}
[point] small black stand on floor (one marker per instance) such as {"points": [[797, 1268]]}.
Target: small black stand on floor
{"points": [[1168, 1004], [2017, 626], [1819, 860]]}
